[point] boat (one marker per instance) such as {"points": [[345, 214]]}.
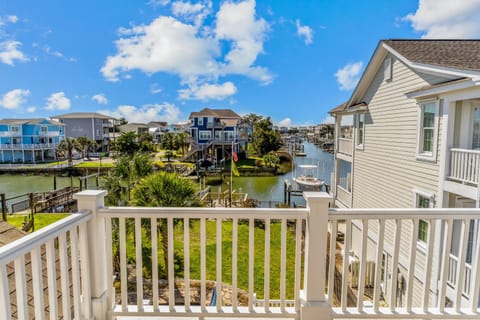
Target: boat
{"points": [[307, 180]]}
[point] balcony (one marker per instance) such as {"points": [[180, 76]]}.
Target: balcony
{"points": [[74, 271], [49, 134], [345, 146], [465, 166]]}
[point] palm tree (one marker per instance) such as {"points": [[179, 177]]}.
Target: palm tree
{"points": [[164, 189], [67, 146], [86, 144], [181, 140]]}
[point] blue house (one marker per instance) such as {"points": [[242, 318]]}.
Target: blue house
{"points": [[213, 131], [29, 140]]}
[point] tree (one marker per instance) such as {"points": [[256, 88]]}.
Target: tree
{"points": [[265, 139], [164, 189], [271, 159], [67, 146], [145, 142], [169, 143], [181, 140], [126, 144], [85, 145]]}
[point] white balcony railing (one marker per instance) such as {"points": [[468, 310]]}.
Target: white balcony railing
{"points": [[50, 133], [345, 146], [344, 196], [453, 274], [465, 166], [23, 146], [121, 248]]}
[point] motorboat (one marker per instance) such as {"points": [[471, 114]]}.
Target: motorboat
{"points": [[307, 180]]}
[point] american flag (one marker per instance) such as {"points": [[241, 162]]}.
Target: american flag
{"points": [[235, 156]]}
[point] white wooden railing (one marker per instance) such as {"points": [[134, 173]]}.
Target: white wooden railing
{"points": [[23, 146], [101, 239], [63, 248], [465, 165], [453, 272], [345, 146], [344, 196]]}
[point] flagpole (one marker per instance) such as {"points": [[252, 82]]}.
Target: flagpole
{"points": [[231, 175]]}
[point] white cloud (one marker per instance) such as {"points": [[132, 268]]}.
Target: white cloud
{"points": [[12, 19], [236, 22], [348, 76], [31, 109], [208, 91], [158, 3], [152, 112], [304, 31], [14, 98], [193, 51], [58, 54], [100, 98], [58, 101], [446, 18], [328, 120], [155, 88], [9, 52], [287, 122]]}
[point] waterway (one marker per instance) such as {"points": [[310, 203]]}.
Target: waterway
{"points": [[267, 190]]}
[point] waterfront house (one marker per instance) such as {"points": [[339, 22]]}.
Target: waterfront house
{"points": [[213, 131], [92, 125], [29, 140], [138, 128], [409, 136]]}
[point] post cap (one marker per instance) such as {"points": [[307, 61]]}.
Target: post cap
{"points": [[90, 194]]}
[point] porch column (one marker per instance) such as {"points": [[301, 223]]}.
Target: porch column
{"points": [[92, 200], [312, 297]]}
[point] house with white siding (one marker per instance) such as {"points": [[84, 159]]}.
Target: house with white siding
{"points": [[409, 136]]}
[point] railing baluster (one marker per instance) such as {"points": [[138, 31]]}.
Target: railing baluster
{"points": [[394, 270], [346, 263], [251, 252], [219, 265], [444, 265], [63, 255], [37, 282], [411, 268], [331, 264], [20, 287], [378, 265], [203, 263], [85, 271], [298, 257], [266, 290], [171, 270], [363, 265], [154, 239], [4, 293], [139, 262], [461, 266], [475, 284], [75, 272], [234, 266], [283, 259], [123, 264], [109, 261], [428, 265], [51, 280], [186, 261]]}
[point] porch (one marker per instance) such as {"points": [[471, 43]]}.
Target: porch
{"points": [[92, 264]]}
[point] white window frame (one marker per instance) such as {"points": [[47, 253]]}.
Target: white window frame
{"points": [[200, 121], [421, 155], [359, 145], [416, 194], [15, 129], [206, 132]]}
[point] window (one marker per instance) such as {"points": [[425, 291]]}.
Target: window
{"points": [[205, 135], [387, 69], [423, 200], [15, 129], [360, 129], [200, 121], [43, 130], [476, 129], [427, 130]]}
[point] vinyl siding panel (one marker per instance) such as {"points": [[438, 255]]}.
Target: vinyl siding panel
{"points": [[386, 170]]}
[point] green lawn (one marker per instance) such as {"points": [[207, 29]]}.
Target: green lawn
{"points": [[242, 255], [41, 219], [94, 164]]}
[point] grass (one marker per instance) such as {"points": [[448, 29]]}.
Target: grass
{"points": [[41, 219], [211, 252], [94, 164]]}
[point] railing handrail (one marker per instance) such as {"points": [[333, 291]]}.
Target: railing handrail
{"points": [[345, 139], [465, 150], [197, 213], [26, 244], [402, 213]]}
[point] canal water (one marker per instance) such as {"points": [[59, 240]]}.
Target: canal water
{"points": [[267, 190]]}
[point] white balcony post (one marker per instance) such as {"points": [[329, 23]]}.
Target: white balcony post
{"points": [[92, 200], [312, 297]]}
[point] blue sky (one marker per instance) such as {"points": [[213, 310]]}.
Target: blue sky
{"points": [[161, 59]]}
